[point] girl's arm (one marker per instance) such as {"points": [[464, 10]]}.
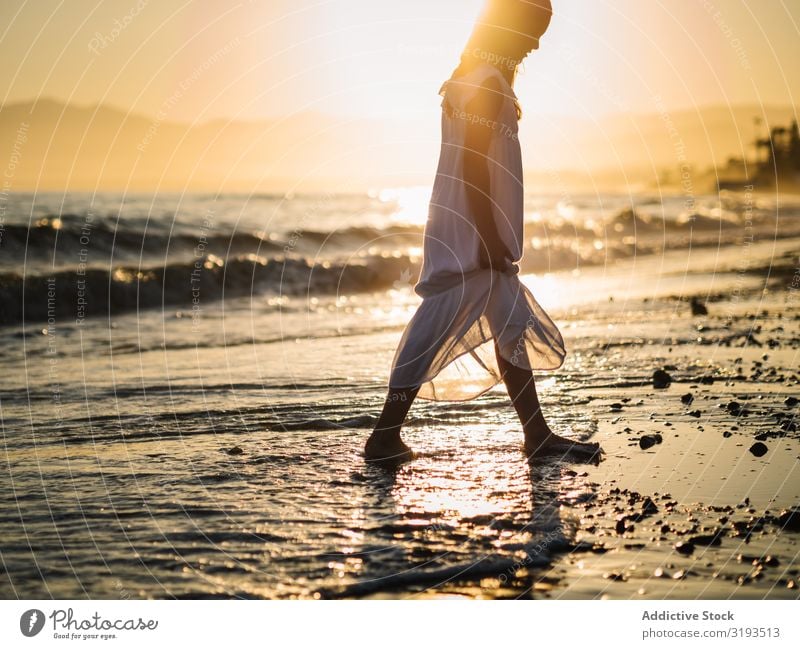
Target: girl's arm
{"points": [[481, 117]]}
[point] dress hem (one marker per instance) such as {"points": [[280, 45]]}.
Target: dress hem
{"points": [[482, 392]]}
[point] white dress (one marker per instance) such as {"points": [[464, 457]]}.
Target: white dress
{"points": [[448, 346]]}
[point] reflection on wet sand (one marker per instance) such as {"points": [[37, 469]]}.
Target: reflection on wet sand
{"points": [[463, 521]]}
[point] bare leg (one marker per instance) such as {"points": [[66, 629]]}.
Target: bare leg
{"points": [[385, 443], [539, 439]]}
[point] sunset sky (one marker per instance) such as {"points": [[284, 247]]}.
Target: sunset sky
{"points": [[375, 58]]}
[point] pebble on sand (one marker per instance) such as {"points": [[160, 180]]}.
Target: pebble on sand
{"points": [[698, 308], [707, 539], [758, 449], [646, 441], [648, 506], [615, 576], [687, 398], [661, 379], [789, 519]]}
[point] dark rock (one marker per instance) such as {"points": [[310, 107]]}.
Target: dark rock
{"points": [[661, 379], [235, 450], [789, 519], [684, 547], [648, 506], [727, 433], [687, 398], [646, 441], [620, 527], [615, 576], [706, 539], [790, 401], [698, 308], [695, 413], [733, 407], [758, 449]]}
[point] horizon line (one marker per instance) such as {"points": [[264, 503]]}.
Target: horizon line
{"points": [[795, 107]]}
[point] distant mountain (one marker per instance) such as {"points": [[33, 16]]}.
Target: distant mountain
{"points": [[53, 146], [84, 147]]}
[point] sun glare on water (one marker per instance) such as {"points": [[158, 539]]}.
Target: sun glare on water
{"points": [[411, 203]]}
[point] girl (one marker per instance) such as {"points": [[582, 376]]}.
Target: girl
{"points": [[478, 324]]}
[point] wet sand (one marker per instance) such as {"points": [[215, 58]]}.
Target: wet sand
{"points": [[698, 492]]}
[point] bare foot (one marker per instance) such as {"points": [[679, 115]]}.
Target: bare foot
{"points": [[543, 441], [387, 450]]}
